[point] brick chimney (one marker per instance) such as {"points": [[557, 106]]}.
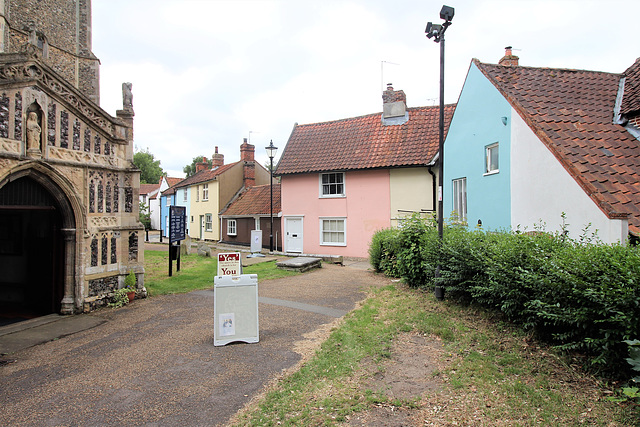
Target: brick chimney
{"points": [[217, 160], [247, 152], [203, 165], [394, 102], [509, 59]]}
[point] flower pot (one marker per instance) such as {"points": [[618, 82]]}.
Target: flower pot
{"points": [[131, 295]]}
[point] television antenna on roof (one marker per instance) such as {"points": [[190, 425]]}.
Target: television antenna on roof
{"points": [[382, 86]]}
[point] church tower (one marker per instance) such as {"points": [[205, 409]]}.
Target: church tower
{"points": [[61, 32]]}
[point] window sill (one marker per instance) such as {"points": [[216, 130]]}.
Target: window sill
{"points": [[332, 196], [333, 244], [491, 173]]}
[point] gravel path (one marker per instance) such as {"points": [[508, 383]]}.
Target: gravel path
{"points": [[153, 362]]}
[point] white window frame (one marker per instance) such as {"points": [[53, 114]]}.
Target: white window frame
{"points": [[208, 222], [489, 167], [327, 186], [232, 227], [205, 192], [197, 193], [459, 192], [343, 220], [184, 195]]}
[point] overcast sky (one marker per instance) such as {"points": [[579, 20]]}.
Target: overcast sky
{"points": [[209, 73]]}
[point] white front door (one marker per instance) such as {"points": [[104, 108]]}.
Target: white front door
{"points": [[201, 227], [293, 234]]}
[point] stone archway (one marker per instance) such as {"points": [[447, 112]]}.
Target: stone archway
{"points": [[37, 243]]}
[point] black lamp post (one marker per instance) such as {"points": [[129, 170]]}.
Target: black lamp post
{"points": [[271, 152], [437, 32]]}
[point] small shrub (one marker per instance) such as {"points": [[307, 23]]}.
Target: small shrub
{"points": [[119, 298], [414, 243], [384, 250], [130, 280]]}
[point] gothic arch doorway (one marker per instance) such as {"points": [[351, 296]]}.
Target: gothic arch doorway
{"points": [[34, 215]]}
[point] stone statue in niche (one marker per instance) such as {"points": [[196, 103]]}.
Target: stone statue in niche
{"points": [[127, 97], [33, 132]]}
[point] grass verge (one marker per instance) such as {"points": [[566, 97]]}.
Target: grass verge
{"points": [[195, 273], [491, 373]]}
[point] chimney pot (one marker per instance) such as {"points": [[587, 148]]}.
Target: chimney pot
{"points": [[217, 160], [509, 59], [200, 166]]}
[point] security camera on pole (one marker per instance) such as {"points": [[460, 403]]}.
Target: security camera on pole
{"points": [[436, 31]]}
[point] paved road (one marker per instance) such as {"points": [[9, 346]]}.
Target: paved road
{"points": [[154, 363]]}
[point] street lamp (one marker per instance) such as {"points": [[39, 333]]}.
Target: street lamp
{"points": [[436, 31], [271, 152]]}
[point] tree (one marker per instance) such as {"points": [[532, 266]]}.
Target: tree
{"points": [[150, 169], [191, 169], [145, 216]]}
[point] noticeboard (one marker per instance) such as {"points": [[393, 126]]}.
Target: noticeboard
{"points": [[177, 223], [235, 310]]}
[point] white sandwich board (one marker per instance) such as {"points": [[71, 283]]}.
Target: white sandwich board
{"points": [[235, 310]]}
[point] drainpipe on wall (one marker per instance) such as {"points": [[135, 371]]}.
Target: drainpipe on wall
{"points": [[433, 184]]}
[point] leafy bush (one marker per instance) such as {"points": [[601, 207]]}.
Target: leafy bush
{"points": [[119, 298], [413, 242], [384, 250], [582, 296]]}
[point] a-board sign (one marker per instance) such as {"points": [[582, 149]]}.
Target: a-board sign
{"points": [[229, 264], [177, 223], [235, 309]]}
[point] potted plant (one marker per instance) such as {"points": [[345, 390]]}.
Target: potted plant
{"points": [[130, 285]]}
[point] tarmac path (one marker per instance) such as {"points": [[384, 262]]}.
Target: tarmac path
{"points": [[153, 362]]}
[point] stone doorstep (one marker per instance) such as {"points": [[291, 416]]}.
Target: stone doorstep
{"points": [[300, 264]]}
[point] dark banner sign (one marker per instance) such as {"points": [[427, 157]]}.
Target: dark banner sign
{"points": [[177, 223]]}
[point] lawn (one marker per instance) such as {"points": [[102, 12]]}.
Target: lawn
{"points": [[195, 273], [488, 373]]}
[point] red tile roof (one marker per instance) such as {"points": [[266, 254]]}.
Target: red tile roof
{"points": [[169, 191], [205, 175], [173, 181], [364, 143], [148, 188], [571, 111], [255, 201], [631, 98]]}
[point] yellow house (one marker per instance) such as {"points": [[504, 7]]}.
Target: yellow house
{"points": [[211, 189]]}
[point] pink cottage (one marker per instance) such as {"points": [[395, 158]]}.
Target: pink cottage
{"points": [[341, 181]]}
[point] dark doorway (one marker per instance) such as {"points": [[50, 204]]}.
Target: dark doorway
{"points": [[31, 252]]}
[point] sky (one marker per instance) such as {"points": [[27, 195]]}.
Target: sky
{"points": [[209, 73]]}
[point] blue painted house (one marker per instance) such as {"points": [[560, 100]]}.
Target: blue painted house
{"points": [[182, 197], [168, 198], [527, 144]]}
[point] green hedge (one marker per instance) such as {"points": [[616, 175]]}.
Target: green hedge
{"points": [[580, 296]]}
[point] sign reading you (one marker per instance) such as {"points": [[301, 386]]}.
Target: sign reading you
{"points": [[177, 223], [229, 264]]}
